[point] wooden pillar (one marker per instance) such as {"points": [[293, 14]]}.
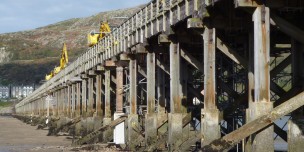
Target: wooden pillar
{"points": [[119, 131], [119, 89], [107, 113], [84, 95], [262, 141], [57, 98], [133, 117], [210, 118], [73, 102], [78, 95], [175, 116], [108, 134], [90, 108], [295, 125], [39, 107], [62, 103], [151, 117], [99, 101], [69, 107], [67, 100]]}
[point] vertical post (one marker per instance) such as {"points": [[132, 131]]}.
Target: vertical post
{"points": [[119, 89], [107, 94], [133, 117], [47, 99], [107, 135], [73, 100], [64, 103], [175, 116], [78, 84], [59, 105], [133, 86], [84, 96], [262, 141], [210, 115], [39, 108], [151, 118], [90, 109], [119, 137], [54, 104], [57, 95], [69, 100], [99, 101], [295, 125]]}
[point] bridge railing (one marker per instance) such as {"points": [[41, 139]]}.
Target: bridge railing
{"points": [[156, 17]]}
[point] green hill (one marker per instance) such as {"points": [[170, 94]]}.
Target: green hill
{"points": [[25, 57]]}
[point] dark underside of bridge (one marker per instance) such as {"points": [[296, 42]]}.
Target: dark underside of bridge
{"points": [[211, 75]]}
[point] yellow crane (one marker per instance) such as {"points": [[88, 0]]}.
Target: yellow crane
{"points": [[64, 59], [94, 37]]}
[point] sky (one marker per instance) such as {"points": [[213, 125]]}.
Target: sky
{"points": [[19, 15]]}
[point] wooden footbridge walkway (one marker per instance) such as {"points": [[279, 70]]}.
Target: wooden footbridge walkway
{"points": [[185, 75]]}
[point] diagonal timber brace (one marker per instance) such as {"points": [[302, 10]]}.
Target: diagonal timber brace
{"points": [[287, 28], [97, 132], [227, 142], [229, 52]]}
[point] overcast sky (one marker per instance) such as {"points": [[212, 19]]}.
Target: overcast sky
{"points": [[19, 15]]}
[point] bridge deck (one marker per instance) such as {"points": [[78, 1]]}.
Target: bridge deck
{"points": [[225, 63]]}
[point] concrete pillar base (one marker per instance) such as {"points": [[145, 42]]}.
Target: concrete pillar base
{"points": [[107, 135], [119, 130], [133, 131], [97, 125], [175, 134], [262, 141], [162, 121], [210, 125], [295, 135], [150, 128]]}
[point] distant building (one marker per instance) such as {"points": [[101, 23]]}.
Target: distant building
{"points": [[15, 91], [21, 91], [4, 92]]}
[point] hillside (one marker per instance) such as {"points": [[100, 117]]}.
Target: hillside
{"points": [[25, 57]]}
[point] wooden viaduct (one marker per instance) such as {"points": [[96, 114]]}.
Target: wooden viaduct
{"points": [[215, 73]]}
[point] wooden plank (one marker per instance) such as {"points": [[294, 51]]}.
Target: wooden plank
{"points": [[97, 132], [227, 142]]}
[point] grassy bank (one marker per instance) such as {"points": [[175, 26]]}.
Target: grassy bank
{"points": [[5, 104]]}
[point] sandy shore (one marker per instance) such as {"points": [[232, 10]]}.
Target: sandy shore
{"points": [[16, 136]]}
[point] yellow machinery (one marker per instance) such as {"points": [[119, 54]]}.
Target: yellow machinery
{"points": [[63, 63], [94, 37]]}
